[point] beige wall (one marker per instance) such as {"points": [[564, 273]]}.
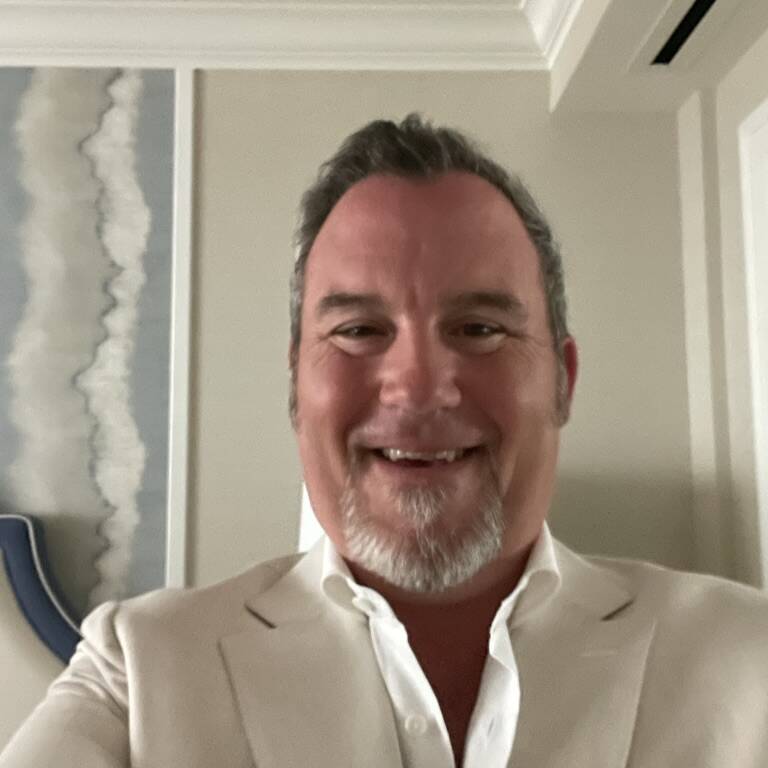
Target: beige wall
{"points": [[740, 93], [609, 183], [725, 465]]}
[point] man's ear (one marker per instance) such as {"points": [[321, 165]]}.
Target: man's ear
{"points": [[571, 361], [293, 403], [568, 367]]}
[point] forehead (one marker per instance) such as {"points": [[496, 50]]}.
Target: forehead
{"points": [[455, 229]]}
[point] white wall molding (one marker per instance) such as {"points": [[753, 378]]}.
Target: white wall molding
{"points": [[181, 304], [457, 34], [753, 156], [707, 511], [550, 22], [740, 110]]}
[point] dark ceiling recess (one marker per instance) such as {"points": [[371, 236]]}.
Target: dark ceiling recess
{"points": [[683, 31]]}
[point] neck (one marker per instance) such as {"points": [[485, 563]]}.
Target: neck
{"points": [[448, 633], [477, 599]]}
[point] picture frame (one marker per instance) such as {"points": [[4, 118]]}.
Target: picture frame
{"points": [[40, 596]]}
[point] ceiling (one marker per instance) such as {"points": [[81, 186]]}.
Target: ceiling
{"points": [[614, 70], [329, 34], [598, 52]]}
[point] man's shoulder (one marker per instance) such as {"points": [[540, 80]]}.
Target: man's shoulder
{"points": [[665, 583], [685, 604], [706, 652], [224, 595], [219, 606]]}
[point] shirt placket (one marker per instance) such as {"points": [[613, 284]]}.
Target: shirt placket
{"points": [[424, 739], [494, 719]]}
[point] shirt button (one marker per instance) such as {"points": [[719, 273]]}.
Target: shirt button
{"points": [[364, 605], [416, 725]]}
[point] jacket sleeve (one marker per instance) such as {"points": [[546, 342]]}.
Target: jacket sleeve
{"points": [[83, 720]]}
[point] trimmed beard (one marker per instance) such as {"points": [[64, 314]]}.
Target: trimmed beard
{"points": [[424, 558]]}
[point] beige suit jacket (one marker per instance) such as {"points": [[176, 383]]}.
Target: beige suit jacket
{"points": [[629, 665]]}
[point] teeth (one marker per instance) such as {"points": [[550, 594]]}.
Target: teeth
{"points": [[395, 454]]}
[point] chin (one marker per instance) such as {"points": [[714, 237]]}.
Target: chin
{"points": [[422, 554]]}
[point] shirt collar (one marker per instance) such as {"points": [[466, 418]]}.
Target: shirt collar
{"points": [[541, 579], [340, 586]]}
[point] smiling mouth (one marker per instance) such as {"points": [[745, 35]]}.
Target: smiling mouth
{"points": [[403, 458]]}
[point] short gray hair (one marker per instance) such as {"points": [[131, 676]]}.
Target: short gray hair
{"points": [[417, 149]]}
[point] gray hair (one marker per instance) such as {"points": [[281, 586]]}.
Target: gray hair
{"points": [[417, 149]]}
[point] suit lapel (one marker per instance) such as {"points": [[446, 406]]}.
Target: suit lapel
{"points": [[310, 693], [306, 679], [581, 665]]}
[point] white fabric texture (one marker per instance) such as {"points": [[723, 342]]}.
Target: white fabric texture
{"points": [[625, 665], [421, 729]]}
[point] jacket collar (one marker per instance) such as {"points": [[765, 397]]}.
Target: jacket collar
{"points": [[597, 590], [309, 690], [582, 664], [306, 679]]}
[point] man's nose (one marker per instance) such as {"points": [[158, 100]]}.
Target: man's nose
{"points": [[419, 374]]}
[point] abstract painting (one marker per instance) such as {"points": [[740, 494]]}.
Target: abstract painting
{"points": [[86, 191]]}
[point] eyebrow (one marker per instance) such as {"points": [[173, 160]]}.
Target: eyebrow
{"points": [[465, 301], [342, 300], [500, 300]]}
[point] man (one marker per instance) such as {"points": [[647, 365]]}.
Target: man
{"points": [[438, 623]]}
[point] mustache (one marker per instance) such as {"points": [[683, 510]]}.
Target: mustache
{"points": [[441, 429]]}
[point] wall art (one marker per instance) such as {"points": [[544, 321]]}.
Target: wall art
{"points": [[86, 202]]}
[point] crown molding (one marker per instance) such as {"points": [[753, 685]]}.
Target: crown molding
{"points": [[346, 34], [550, 22]]}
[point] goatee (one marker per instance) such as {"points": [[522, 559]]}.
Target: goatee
{"points": [[420, 553]]}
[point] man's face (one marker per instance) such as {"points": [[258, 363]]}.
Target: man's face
{"points": [[426, 379]]}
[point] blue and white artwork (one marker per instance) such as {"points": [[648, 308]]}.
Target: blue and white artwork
{"points": [[86, 175]]}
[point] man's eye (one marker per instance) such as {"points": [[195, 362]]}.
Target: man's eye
{"points": [[360, 338], [478, 337], [479, 330], [357, 331]]}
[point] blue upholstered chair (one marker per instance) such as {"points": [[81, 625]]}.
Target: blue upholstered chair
{"points": [[22, 544]]}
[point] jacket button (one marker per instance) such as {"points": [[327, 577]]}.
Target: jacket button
{"points": [[416, 725]]}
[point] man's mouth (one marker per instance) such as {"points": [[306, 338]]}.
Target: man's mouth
{"points": [[407, 458]]}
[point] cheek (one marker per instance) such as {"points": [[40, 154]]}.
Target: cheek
{"points": [[509, 389], [330, 397], [519, 400], [331, 392]]}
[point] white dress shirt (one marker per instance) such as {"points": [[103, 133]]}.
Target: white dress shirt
{"points": [[424, 740]]}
